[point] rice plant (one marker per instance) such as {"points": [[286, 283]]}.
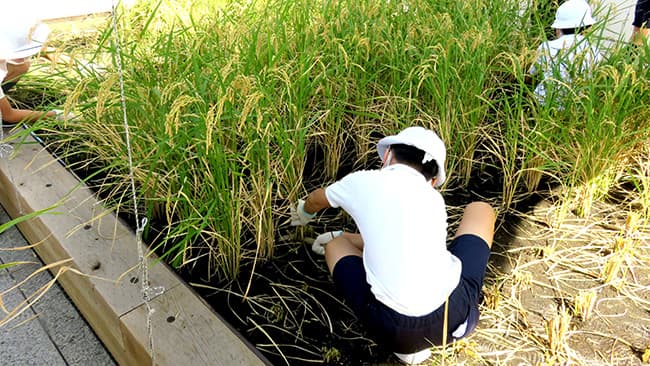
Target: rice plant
{"points": [[238, 108]]}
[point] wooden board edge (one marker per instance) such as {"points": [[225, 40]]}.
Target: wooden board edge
{"points": [[108, 325]]}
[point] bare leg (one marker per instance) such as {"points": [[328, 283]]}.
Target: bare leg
{"points": [[478, 219], [344, 245], [12, 116]]}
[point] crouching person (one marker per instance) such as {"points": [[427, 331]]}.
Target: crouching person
{"points": [[20, 39], [571, 54], [406, 286]]}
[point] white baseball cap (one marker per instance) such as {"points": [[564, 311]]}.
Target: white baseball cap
{"points": [[573, 14], [21, 37], [423, 139]]}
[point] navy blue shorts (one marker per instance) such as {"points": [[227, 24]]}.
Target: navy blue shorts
{"points": [[408, 334], [641, 13]]}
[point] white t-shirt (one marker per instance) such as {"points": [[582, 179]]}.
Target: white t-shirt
{"points": [[562, 58], [403, 223]]}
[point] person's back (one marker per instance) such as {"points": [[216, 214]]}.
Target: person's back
{"points": [[407, 287], [568, 57], [404, 225]]}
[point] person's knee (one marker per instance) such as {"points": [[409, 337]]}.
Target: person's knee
{"points": [[478, 219], [9, 114], [23, 68], [338, 248], [483, 208]]}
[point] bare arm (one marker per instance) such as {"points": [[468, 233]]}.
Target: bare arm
{"points": [[316, 201], [11, 115]]}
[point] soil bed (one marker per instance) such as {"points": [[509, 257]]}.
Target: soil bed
{"points": [[288, 308]]}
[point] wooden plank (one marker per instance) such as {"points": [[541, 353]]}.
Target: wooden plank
{"points": [[181, 315], [96, 309], [79, 290], [82, 230], [102, 247]]}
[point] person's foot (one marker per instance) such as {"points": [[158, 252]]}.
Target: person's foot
{"points": [[414, 358]]}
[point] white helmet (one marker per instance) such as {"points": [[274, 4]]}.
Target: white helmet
{"points": [[573, 14]]}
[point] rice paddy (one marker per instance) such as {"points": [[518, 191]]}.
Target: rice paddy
{"points": [[237, 109]]}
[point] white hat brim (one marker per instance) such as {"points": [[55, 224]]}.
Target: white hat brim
{"points": [[28, 50], [38, 37], [384, 143], [387, 141], [585, 22]]}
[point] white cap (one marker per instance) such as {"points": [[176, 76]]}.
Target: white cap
{"points": [[21, 37], [423, 139], [573, 14]]}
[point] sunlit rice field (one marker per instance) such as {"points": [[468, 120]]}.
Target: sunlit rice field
{"points": [[236, 109]]}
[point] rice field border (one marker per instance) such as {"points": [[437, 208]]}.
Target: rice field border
{"points": [[93, 256]]}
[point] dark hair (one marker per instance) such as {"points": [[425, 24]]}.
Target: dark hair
{"points": [[412, 156], [567, 31]]}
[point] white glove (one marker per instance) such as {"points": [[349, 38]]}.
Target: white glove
{"points": [[318, 246], [300, 217], [90, 69], [60, 116]]}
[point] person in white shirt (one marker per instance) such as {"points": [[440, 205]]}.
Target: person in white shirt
{"points": [[20, 39], [570, 54], [405, 285]]}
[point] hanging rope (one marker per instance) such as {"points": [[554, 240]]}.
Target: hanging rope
{"points": [[148, 292], [5, 152], [5, 148]]}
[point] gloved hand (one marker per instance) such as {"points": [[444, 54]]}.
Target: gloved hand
{"points": [[300, 217], [318, 246], [90, 69], [61, 116]]}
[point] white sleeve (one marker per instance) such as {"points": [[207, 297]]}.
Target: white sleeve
{"points": [[335, 194], [342, 193]]}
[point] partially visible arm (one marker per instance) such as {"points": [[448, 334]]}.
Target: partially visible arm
{"points": [[316, 201], [11, 115]]}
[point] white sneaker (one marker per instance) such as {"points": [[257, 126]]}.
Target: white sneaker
{"points": [[414, 358]]}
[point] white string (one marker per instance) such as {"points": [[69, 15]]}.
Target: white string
{"points": [[148, 292], [6, 150]]}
